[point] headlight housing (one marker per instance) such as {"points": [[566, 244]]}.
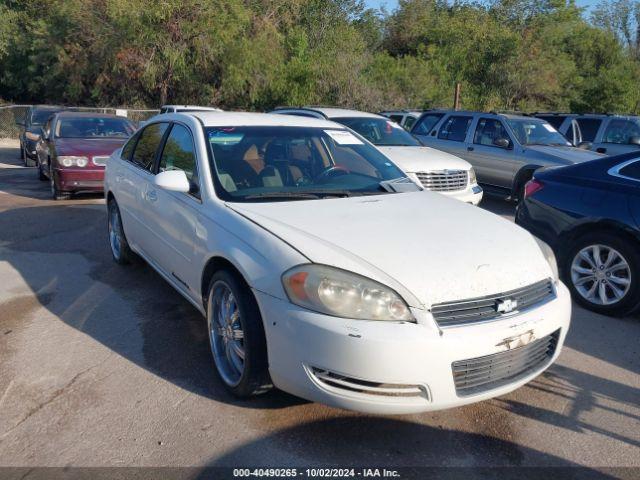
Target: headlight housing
{"points": [[344, 294], [472, 176], [550, 257], [73, 161]]}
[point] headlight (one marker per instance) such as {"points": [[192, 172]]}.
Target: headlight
{"points": [[550, 256], [472, 176], [32, 136], [70, 161], [340, 293]]}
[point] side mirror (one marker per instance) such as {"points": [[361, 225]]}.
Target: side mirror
{"points": [[585, 145], [173, 181], [502, 142], [634, 140]]}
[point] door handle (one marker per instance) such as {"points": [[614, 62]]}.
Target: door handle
{"points": [[601, 150], [152, 196], [470, 149]]}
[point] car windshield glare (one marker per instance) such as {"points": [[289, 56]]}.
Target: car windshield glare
{"points": [[380, 131], [295, 163], [93, 127], [536, 132]]}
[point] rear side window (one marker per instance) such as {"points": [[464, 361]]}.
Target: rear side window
{"points": [[620, 131], [589, 128], [426, 123], [178, 153], [455, 129], [145, 152], [632, 170]]}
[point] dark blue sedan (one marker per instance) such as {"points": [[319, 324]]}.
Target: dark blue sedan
{"points": [[589, 214]]}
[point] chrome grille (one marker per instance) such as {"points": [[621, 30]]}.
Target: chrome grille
{"points": [[444, 181], [477, 375], [101, 161], [487, 308]]}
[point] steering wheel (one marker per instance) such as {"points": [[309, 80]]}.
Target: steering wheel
{"points": [[332, 171]]}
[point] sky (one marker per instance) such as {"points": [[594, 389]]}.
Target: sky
{"points": [[391, 4]]}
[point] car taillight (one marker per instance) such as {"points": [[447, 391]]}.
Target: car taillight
{"points": [[532, 186]]}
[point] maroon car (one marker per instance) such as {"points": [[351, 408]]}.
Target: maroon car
{"points": [[74, 147]]}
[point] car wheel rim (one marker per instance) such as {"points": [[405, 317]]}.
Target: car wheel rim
{"points": [[226, 334], [601, 275], [115, 239]]}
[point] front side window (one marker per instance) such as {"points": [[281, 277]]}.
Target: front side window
{"points": [[489, 131], [128, 148], [380, 131], [536, 132], [589, 128], [455, 129], [178, 153], [295, 163], [144, 154], [621, 131], [93, 127], [426, 123]]}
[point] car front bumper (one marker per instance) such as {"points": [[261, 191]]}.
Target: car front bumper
{"points": [[383, 358], [80, 179], [472, 195]]}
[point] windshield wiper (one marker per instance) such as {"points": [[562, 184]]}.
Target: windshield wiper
{"points": [[282, 195]]}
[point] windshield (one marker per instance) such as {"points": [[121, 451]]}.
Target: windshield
{"points": [[380, 132], [39, 117], [295, 163], [93, 127], [536, 132]]}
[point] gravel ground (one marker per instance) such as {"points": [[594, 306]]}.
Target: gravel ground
{"points": [[102, 365]]}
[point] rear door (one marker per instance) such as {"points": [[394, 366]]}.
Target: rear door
{"points": [[135, 178], [172, 216], [495, 165]]}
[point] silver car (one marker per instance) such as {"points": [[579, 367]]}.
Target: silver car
{"points": [[504, 149]]}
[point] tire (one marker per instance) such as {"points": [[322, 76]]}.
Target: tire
{"points": [[236, 336], [586, 261], [21, 152], [28, 161], [522, 179], [120, 250], [56, 193]]}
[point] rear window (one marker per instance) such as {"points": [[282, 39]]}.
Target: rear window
{"points": [[93, 127]]}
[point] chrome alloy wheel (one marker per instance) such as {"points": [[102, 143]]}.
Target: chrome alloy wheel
{"points": [[115, 232], [601, 275], [225, 333]]}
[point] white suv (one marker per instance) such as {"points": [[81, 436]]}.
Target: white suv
{"points": [[433, 169], [322, 271]]}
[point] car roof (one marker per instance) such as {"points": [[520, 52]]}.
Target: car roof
{"points": [[477, 112], [46, 107], [192, 107], [333, 112], [250, 119], [71, 113]]}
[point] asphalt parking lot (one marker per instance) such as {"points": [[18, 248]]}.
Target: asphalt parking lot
{"points": [[102, 365]]}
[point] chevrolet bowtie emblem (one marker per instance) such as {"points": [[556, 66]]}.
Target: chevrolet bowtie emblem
{"points": [[506, 305], [517, 340]]}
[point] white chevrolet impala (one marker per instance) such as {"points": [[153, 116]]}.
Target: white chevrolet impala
{"points": [[324, 272]]}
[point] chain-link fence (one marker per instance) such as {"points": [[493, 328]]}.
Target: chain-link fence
{"points": [[11, 114]]}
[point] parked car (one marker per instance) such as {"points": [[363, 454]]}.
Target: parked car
{"points": [[504, 149], [590, 215], [34, 119], [405, 118], [187, 108], [434, 170], [608, 134], [74, 147], [339, 282]]}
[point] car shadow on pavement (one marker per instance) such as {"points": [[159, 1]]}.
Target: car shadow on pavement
{"points": [[395, 443], [62, 253]]}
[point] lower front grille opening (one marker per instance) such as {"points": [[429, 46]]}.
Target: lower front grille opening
{"points": [[481, 374], [343, 382]]}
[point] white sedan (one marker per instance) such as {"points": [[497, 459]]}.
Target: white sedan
{"points": [[324, 272]]}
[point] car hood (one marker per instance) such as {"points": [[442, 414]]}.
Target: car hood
{"points": [[427, 247], [420, 159], [568, 155], [88, 146]]}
